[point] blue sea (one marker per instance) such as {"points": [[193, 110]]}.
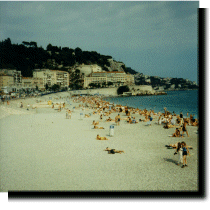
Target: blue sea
{"points": [[177, 101]]}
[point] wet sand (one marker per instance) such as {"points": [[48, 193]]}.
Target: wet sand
{"points": [[42, 150]]}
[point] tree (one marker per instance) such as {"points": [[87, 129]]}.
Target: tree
{"points": [[110, 83], [33, 44], [49, 47], [78, 52], [92, 85], [123, 89], [46, 86], [55, 87], [77, 71]]}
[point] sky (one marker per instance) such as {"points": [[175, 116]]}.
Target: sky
{"points": [[154, 38]]}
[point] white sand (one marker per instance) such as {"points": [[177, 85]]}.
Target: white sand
{"points": [[46, 151]]}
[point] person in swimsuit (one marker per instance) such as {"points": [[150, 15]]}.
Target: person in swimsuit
{"points": [[96, 127], [95, 123], [117, 119], [177, 133], [101, 117], [101, 138], [185, 152], [113, 151], [179, 150], [184, 129]]}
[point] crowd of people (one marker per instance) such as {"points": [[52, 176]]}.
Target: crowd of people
{"points": [[124, 114]]}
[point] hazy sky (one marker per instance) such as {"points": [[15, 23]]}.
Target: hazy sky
{"points": [[153, 38]]}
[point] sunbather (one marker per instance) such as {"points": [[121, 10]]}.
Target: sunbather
{"points": [[113, 151], [101, 138], [96, 127], [95, 123]]}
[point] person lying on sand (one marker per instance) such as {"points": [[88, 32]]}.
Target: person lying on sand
{"points": [[106, 114], [96, 127], [110, 120], [175, 146], [101, 138], [95, 123], [170, 126], [113, 151], [132, 121], [87, 115]]}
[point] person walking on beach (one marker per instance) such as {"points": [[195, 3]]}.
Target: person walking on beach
{"points": [[101, 117], [181, 119], [184, 129], [117, 119], [185, 152], [179, 150]]}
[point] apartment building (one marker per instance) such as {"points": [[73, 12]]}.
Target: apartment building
{"points": [[51, 77], [16, 75], [114, 77], [6, 81]]}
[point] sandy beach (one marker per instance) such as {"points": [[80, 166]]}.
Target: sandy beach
{"points": [[42, 150]]}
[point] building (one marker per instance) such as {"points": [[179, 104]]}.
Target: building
{"points": [[51, 77], [38, 83], [16, 75], [88, 69], [27, 83], [117, 78], [6, 81]]}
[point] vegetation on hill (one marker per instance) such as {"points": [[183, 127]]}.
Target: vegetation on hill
{"points": [[28, 56]]}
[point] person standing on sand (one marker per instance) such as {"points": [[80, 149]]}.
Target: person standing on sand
{"points": [[184, 129], [185, 151], [179, 150], [181, 118], [101, 117], [117, 119], [21, 105]]}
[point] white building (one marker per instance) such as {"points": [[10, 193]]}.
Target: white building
{"points": [[51, 77], [88, 69], [104, 77]]}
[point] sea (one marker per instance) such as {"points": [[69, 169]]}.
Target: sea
{"points": [[186, 101]]}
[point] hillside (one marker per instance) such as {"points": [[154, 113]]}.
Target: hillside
{"points": [[28, 56]]}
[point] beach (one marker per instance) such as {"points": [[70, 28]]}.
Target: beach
{"points": [[42, 150]]}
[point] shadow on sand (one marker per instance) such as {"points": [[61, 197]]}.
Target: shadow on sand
{"points": [[171, 160]]}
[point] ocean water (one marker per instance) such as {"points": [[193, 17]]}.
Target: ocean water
{"points": [[177, 101]]}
